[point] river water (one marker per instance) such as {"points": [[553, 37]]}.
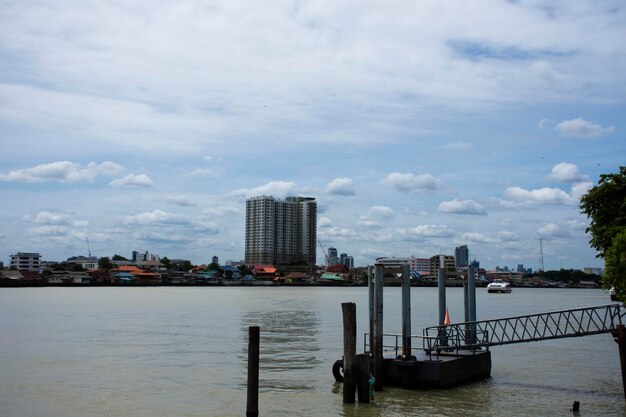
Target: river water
{"points": [[182, 351]]}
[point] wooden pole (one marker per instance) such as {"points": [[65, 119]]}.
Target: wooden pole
{"points": [[620, 337], [362, 377], [370, 287], [349, 351], [252, 408], [377, 351], [406, 313]]}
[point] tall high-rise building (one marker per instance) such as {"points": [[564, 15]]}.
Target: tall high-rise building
{"points": [[461, 256], [281, 232], [332, 257]]}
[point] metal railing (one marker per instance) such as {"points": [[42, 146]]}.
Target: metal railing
{"points": [[529, 328]]}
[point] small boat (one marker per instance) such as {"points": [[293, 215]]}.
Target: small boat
{"points": [[613, 294], [499, 286]]}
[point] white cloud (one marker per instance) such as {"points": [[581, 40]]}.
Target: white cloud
{"points": [[382, 212], [411, 183], [477, 238], [544, 124], [553, 230], [324, 222], [64, 172], [204, 172], [157, 217], [457, 146], [181, 200], [508, 236], [566, 172], [278, 189], [340, 186], [430, 230], [49, 230], [49, 218], [462, 207], [133, 181], [542, 195], [581, 188], [582, 128]]}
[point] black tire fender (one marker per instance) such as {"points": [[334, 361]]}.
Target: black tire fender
{"points": [[337, 370]]}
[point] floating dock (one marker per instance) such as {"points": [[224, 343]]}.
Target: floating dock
{"points": [[437, 371]]}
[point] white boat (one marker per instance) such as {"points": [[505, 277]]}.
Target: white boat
{"points": [[499, 286]]}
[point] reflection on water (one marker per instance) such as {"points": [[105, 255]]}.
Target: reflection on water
{"points": [[288, 347]]}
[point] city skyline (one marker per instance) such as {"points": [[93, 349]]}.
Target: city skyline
{"points": [[418, 127]]}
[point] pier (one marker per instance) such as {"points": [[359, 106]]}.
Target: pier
{"points": [[454, 353]]}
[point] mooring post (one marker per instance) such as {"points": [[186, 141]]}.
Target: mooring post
{"points": [[466, 309], [620, 337], [406, 312], [362, 377], [377, 351], [349, 351], [370, 287], [441, 284], [471, 285], [252, 407]]}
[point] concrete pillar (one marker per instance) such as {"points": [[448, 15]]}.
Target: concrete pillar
{"points": [[406, 312]]}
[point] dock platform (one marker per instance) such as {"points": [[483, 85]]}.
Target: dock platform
{"points": [[437, 371]]}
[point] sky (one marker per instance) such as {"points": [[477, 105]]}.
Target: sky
{"points": [[417, 126]]}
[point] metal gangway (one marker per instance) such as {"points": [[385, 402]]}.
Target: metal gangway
{"points": [[476, 335]]}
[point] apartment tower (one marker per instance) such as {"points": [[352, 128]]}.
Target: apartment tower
{"points": [[281, 232]]}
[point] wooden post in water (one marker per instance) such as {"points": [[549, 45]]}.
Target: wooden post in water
{"points": [[362, 377], [620, 337], [471, 300], [377, 351], [349, 351], [406, 313], [252, 408], [370, 287]]}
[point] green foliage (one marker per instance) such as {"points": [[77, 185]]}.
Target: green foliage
{"points": [[615, 265], [569, 275], [165, 261], [213, 266], [117, 257], [105, 263], [605, 205], [78, 268], [244, 270], [182, 266]]}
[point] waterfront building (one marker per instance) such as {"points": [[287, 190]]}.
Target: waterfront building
{"points": [[461, 256], [421, 265], [86, 262], [281, 232], [25, 261], [448, 265]]}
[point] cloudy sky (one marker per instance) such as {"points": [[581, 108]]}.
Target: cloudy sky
{"points": [[418, 126]]}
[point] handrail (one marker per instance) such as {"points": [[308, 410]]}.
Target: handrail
{"points": [[527, 328]]}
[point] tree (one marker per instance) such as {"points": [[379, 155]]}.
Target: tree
{"points": [[605, 205], [105, 263], [117, 257], [165, 261], [615, 265]]}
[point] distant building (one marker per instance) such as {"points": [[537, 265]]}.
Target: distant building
{"points": [[461, 256], [146, 256], [215, 260], [86, 262], [448, 265], [332, 257], [346, 260], [25, 261], [421, 265], [233, 263], [281, 232], [590, 270]]}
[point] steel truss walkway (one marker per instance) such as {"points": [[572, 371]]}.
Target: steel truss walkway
{"points": [[531, 328]]}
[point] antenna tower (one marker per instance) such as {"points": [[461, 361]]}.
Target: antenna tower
{"points": [[88, 248], [541, 254]]}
